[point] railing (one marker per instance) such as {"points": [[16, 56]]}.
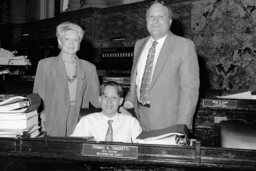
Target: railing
{"points": [[126, 154]]}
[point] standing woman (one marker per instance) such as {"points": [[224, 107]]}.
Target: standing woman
{"points": [[65, 83]]}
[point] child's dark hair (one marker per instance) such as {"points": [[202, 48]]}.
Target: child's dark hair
{"points": [[113, 84]]}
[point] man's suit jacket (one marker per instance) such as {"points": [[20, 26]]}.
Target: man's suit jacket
{"points": [[51, 83], [175, 83]]}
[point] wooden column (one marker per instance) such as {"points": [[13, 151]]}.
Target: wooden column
{"points": [[114, 2], [74, 5], [131, 1], [95, 3], [3, 12], [18, 11]]}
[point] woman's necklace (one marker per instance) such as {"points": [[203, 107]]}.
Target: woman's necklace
{"points": [[71, 69], [72, 79]]}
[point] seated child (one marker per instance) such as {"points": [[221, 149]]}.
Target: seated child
{"points": [[125, 128]]}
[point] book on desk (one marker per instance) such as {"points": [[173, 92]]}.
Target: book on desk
{"points": [[30, 132], [174, 135], [18, 123]]}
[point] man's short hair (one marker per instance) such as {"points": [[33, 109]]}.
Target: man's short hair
{"points": [[170, 12]]}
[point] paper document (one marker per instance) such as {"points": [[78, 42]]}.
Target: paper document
{"points": [[243, 95]]}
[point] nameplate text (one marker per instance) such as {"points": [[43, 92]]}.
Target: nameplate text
{"points": [[115, 151], [219, 103]]}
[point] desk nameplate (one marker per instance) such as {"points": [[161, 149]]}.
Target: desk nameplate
{"points": [[114, 151], [220, 103]]}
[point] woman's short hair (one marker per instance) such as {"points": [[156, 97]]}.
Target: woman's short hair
{"points": [[118, 87], [66, 26]]}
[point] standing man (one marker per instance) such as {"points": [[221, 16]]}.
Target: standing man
{"points": [[164, 88]]}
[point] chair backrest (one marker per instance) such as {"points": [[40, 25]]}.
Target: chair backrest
{"points": [[238, 134], [86, 111]]}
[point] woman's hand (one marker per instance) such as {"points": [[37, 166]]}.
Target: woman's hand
{"points": [[124, 111]]}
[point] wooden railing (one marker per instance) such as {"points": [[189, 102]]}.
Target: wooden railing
{"points": [[80, 152]]}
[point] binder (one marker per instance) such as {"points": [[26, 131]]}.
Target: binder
{"points": [[20, 103]]}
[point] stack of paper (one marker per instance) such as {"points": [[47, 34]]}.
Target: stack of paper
{"points": [[242, 95], [173, 135], [8, 58], [19, 116], [19, 60]]}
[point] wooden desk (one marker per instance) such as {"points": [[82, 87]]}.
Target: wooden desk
{"points": [[71, 154], [208, 116]]}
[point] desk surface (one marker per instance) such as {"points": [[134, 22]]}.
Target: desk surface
{"points": [[76, 150]]}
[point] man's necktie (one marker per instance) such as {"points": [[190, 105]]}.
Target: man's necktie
{"points": [[146, 79], [109, 135]]}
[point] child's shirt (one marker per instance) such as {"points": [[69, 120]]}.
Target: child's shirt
{"points": [[125, 127]]}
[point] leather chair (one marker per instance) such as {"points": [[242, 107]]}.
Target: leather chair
{"points": [[238, 134]]}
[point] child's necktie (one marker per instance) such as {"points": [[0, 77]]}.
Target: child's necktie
{"points": [[109, 135]]}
